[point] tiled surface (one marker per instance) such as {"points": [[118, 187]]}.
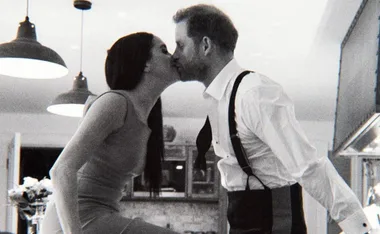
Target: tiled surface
{"points": [[180, 216]]}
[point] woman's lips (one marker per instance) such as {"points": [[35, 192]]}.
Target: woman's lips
{"points": [[177, 66]]}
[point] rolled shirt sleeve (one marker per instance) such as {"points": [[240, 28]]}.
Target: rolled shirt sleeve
{"points": [[269, 114]]}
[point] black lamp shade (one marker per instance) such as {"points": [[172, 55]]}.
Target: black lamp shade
{"points": [[72, 102], [25, 57]]}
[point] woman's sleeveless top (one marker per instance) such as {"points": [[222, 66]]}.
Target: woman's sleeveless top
{"points": [[121, 156]]}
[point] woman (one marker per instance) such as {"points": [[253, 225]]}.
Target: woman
{"points": [[119, 136]]}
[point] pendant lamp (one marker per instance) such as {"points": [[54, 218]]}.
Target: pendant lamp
{"points": [[25, 57], [72, 102]]}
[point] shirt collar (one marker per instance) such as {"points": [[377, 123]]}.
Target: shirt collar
{"points": [[218, 86]]}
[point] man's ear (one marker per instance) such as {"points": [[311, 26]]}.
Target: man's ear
{"points": [[207, 45]]}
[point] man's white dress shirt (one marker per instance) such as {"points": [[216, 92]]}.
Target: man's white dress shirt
{"points": [[278, 150]]}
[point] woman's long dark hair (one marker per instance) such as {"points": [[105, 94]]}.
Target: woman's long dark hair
{"points": [[124, 68]]}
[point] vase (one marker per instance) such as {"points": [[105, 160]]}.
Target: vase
{"points": [[34, 221]]}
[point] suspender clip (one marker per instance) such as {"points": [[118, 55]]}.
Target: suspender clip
{"points": [[235, 135]]}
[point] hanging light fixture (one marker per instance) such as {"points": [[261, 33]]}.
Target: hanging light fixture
{"points": [[25, 57], [72, 102]]}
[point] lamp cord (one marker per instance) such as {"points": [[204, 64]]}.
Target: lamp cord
{"points": [[81, 41], [27, 8]]}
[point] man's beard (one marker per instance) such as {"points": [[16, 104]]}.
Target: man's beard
{"points": [[193, 72]]}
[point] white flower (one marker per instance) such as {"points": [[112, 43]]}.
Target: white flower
{"points": [[46, 183], [12, 192], [376, 189], [44, 186], [29, 181], [19, 190]]}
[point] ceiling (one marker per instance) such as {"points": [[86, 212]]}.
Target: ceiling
{"points": [[276, 37]]}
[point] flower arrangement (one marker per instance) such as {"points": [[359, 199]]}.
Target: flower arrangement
{"points": [[169, 133], [31, 197]]}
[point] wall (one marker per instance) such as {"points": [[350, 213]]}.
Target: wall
{"points": [[180, 216]]}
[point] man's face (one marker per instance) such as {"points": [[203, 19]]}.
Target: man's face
{"points": [[188, 56]]}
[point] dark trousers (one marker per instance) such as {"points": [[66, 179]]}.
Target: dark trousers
{"points": [[288, 216]]}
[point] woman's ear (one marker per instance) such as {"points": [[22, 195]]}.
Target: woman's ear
{"points": [[207, 45], [148, 67]]}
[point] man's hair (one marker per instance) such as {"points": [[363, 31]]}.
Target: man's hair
{"points": [[207, 20]]}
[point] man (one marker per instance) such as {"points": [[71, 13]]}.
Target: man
{"points": [[278, 150]]}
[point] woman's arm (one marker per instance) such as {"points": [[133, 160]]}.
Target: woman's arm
{"points": [[105, 116]]}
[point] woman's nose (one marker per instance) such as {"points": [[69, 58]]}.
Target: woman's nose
{"points": [[175, 56], [173, 61]]}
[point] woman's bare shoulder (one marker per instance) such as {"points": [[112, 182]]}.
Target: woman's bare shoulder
{"points": [[109, 101]]}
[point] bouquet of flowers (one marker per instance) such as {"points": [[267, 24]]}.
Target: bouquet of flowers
{"points": [[31, 197]]}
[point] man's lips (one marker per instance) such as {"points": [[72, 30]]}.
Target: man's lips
{"points": [[174, 64], [178, 69]]}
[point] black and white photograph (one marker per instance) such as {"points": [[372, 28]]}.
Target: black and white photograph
{"points": [[190, 117]]}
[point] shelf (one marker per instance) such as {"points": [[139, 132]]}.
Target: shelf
{"points": [[203, 196], [196, 199], [202, 182], [162, 194]]}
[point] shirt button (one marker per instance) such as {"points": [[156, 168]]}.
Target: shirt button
{"points": [[217, 142]]}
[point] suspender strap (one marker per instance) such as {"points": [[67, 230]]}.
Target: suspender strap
{"points": [[297, 223], [235, 140]]}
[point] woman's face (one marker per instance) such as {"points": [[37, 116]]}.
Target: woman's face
{"points": [[161, 62]]}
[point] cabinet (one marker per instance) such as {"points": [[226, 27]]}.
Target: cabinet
{"points": [[204, 184], [180, 180]]}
